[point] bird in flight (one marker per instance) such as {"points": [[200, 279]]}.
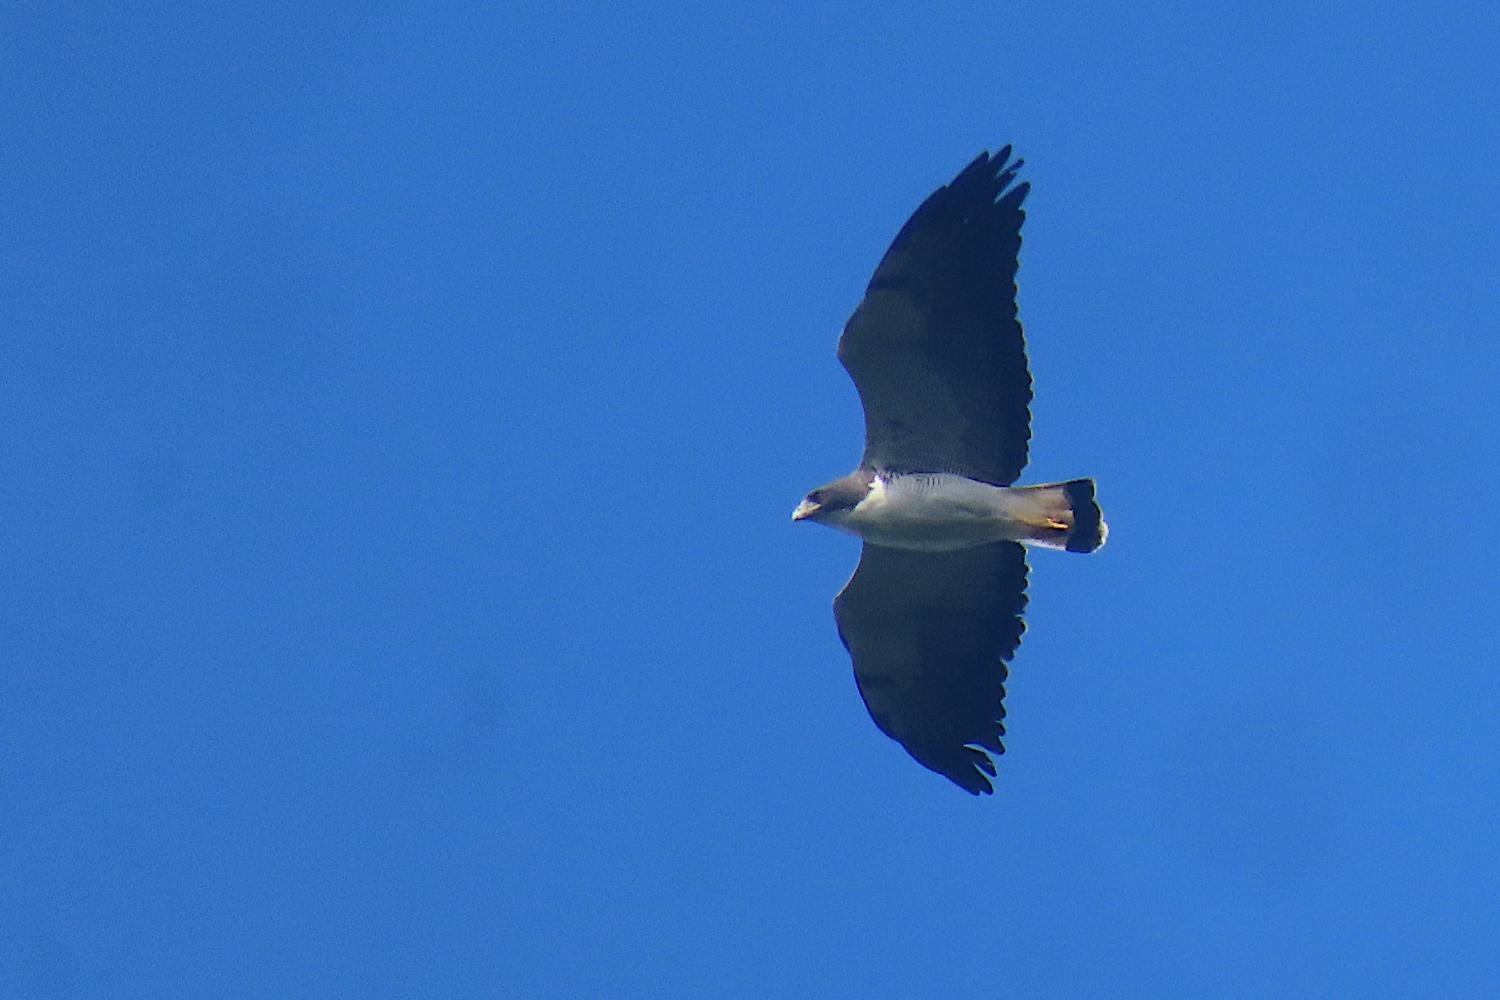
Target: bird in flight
{"points": [[932, 614]]}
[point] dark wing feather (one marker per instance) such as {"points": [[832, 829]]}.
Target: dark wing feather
{"points": [[929, 633], [935, 348]]}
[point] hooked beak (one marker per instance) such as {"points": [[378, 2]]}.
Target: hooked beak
{"points": [[805, 509]]}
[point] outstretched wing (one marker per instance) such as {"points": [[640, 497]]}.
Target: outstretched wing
{"points": [[929, 633], [935, 348]]}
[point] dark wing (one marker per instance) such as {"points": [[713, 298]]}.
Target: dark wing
{"points": [[935, 348], [929, 633]]}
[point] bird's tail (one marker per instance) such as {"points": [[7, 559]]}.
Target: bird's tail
{"points": [[1060, 515]]}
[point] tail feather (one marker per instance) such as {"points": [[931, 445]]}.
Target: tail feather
{"points": [[1062, 516], [1089, 529]]}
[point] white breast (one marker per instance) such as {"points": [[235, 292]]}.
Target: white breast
{"points": [[936, 512]]}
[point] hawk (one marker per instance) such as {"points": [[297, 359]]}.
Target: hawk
{"points": [[933, 612]]}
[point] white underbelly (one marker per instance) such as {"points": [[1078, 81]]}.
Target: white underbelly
{"points": [[933, 513]]}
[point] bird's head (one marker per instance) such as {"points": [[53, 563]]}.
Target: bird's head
{"points": [[833, 503]]}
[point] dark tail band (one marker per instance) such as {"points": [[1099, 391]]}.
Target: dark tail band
{"points": [[1088, 521]]}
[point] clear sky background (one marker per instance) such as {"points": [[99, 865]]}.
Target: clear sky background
{"points": [[402, 410]]}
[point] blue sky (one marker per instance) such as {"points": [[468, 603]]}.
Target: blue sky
{"points": [[402, 409]]}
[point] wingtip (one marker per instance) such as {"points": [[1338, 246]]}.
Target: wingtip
{"points": [[1012, 199], [973, 774]]}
